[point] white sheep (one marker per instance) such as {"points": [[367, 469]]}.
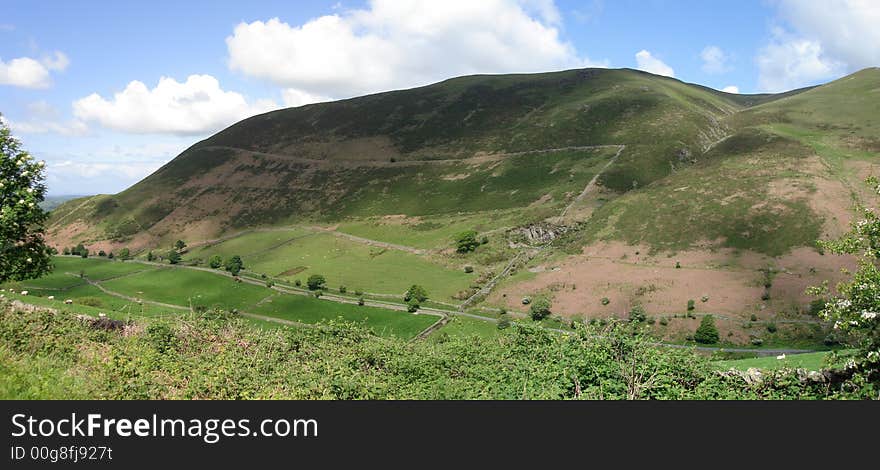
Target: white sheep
{"points": [[780, 357], [24, 292], [68, 302], [51, 297]]}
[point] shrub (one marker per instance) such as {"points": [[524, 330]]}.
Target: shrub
{"points": [[297, 283], [503, 323], [173, 257], [215, 262], [361, 301], [466, 241], [691, 304], [151, 256], [757, 341], [677, 265], [540, 309], [412, 305], [318, 294], [664, 321], [468, 269], [270, 283], [263, 276], [754, 317], [706, 333], [417, 293], [316, 282], [637, 314], [358, 292], [234, 265], [605, 301], [771, 327], [110, 255], [502, 311], [102, 253], [650, 320], [343, 289], [160, 337]]}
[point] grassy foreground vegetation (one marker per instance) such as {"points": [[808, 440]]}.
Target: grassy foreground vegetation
{"points": [[46, 355]]}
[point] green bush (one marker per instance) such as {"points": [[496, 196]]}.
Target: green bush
{"points": [[605, 301], [706, 333], [316, 282], [343, 289], [540, 309], [771, 327], [503, 323], [466, 241], [691, 305], [637, 314], [754, 317]]}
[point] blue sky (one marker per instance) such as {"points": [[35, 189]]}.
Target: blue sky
{"points": [[80, 81]]}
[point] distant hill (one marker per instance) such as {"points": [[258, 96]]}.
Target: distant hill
{"points": [[385, 153], [51, 202]]}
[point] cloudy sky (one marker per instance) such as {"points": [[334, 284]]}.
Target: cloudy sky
{"points": [[108, 91]]}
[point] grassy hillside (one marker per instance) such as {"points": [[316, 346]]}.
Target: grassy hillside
{"points": [[629, 173], [55, 355]]}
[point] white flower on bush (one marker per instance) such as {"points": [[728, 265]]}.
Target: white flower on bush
{"points": [[866, 315]]}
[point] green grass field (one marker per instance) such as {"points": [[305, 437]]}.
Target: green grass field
{"points": [[810, 361], [308, 310], [184, 287], [247, 244], [357, 266]]}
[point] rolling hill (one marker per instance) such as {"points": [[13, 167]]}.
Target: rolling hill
{"points": [[653, 192]]}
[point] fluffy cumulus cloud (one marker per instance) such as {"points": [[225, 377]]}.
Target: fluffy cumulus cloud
{"points": [[826, 39], [647, 62], [26, 72], [715, 60], [789, 62], [397, 44], [197, 106], [293, 97], [731, 89]]}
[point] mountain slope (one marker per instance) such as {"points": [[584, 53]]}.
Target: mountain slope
{"points": [[327, 161]]}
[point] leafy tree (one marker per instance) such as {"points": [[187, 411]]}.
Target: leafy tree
{"points": [[66, 251], [412, 305], [691, 304], [215, 262], [173, 257], [540, 309], [856, 307], [316, 282], [706, 333], [110, 255], [84, 253], [637, 314], [417, 293], [179, 245], [124, 254], [102, 253], [234, 265], [23, 251], [150, 256], [466, 241]]}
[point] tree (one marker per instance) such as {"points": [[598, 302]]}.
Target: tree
{"points": [[110, 255], [84, 253], [412, 305], [179, 245], [706, 333], [150, 256], [417, 293], [856, 307], [637, 314], [102, 253], [466, 241], [540, 309], [66, 251], [215, 262], [23, 251], [173, 257], [124, 254], [234, 265], [316, 282]]}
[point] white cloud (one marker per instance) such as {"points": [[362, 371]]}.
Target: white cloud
{"points": [[827, 39], [196, 106], [789, 62], [44, 118], [26, 72], [293, 97], [395, 44], [848, 30], [649, 63], [731, 89], [715, 60]]}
